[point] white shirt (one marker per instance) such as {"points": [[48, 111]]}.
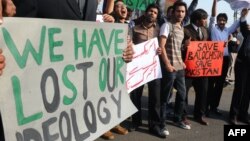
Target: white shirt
{"points": [[164, 31], [195, 27], [222, 35]]}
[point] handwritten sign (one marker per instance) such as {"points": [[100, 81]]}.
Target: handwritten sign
{"points": [[64, 80], [145, 66], [138, 4], [204, 58]]}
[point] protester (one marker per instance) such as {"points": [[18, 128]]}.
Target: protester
{"points": [[197, 32], [219, 32], [169, 15], [241, 94], [120, 12], [145, 30], [171, 37]]}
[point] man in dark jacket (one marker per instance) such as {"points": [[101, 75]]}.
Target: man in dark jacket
{"points": [[241, 94], [197, 32]]}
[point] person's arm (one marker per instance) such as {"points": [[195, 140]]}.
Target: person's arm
{"points": [[213, 14], [2, 62], [243, 23], [191, 9], [234, 27], [109, 7], [7, 8], [128, 52], [214, 9], [162, 43], [236, 24]]}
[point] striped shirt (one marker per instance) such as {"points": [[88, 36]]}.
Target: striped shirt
{"points": [[174, 35]]}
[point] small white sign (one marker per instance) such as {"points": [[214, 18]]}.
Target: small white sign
{"points": [[145, 66]]}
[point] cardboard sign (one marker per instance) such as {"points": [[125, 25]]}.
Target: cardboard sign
{"points": [[204, 58], [145, 66], [64, 80]]}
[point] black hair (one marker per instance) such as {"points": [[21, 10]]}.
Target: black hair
{"points": [[118, 1], [153, 5], [197, 15], [169, 8], [178, 4], [223, 15], [129, 9]]}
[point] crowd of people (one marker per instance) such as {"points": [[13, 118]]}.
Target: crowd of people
{"points": [[174, 34]]}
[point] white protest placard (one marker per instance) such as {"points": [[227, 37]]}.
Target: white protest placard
{"points": [[145, 65], [238, 4], [64, 80]]}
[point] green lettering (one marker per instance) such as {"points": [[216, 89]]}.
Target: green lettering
{"points": [[53, 44], [80, 44], [95, 41], [103, 74], [21, 119], [119, 64], [107, 46], [69, 100], [21, 60], [118, 40]]}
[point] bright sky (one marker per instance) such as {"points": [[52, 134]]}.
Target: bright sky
{"points": [[222, 7]]}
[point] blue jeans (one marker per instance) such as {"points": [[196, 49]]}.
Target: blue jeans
{"points": [[174, 79]]}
